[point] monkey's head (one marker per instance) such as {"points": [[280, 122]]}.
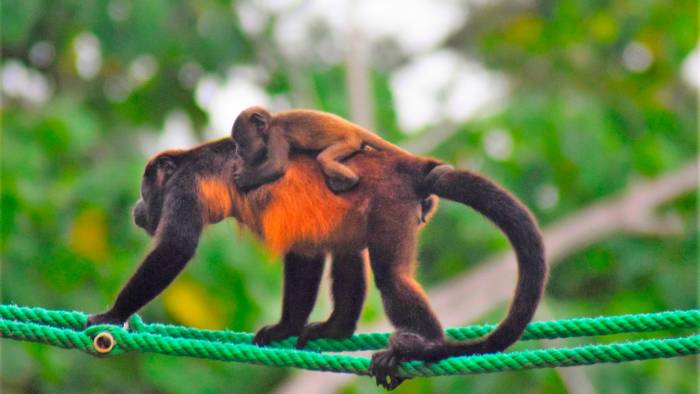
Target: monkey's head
{"points": [[158, 172], [250, 132]]}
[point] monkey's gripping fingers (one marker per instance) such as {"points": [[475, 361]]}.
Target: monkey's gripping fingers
{"points": [[323, 330], [275, 332], [384, 368], [244, 180]]}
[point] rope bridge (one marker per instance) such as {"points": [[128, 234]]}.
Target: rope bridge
{"points": [[66, 329]]}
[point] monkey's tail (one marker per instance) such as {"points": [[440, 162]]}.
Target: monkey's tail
{"points": [[514, 219]]}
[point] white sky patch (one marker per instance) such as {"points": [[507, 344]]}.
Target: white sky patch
{"points": [[417, 85], [24, 83], [293, 32], [691, 68], [251, 17], [278, 6], [177, 133], [416, 25], [637, 57], [476, 91], [224, 100], [498, 144], [547, 196], [88, 58], [442, 85], [434, 87]]}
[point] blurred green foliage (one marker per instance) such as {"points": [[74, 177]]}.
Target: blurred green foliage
{"points": [[582, 125]]}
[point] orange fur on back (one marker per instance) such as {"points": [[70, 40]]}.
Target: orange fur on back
{"points": [[301, 209], [215, 199]]}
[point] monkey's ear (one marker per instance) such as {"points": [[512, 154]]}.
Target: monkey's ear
{"points": [[166, 165], [260, 120]]}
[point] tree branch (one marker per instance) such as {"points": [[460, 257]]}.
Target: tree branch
{"points": [[360, 99]]}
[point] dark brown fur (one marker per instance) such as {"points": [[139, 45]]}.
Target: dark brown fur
{"points": [[299, 217]]}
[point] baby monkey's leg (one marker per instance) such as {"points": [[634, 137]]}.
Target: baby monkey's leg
{"points": [[340, 177]]}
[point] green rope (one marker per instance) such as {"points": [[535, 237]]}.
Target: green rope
{"points": [[582, 327], [65, 329]]}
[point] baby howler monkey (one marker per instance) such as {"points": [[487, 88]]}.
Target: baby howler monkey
{"points": [[264, 140]]}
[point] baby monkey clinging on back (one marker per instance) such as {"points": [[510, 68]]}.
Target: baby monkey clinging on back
{"points": [[263, 141]]}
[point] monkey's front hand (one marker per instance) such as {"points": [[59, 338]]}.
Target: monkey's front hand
{"points": [[275, 332], [105, 318], [244, 180], [247, 179]]}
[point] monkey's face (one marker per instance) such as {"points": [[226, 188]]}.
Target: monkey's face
{"points": [[250, 132], [148, 208]]}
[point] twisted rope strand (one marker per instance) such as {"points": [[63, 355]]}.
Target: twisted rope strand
{"points": [[187, 347], [579, 327]]}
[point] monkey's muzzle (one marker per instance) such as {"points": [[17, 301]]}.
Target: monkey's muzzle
{"points": [[140, 216]]}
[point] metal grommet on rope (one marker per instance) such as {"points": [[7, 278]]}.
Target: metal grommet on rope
{"points": [[104, 342]]}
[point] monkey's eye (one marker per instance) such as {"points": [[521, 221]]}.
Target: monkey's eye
{"points": [[257, 119]]}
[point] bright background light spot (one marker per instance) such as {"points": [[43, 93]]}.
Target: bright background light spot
{"points": [[177, 133], [24, 83], [88, 58], [442, 85], [547, 196], [498, 144], [691, 68], [637, 57], [143, 68], [225, 99]]}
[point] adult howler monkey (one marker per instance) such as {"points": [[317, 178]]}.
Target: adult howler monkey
{"points": [[297, 215]]}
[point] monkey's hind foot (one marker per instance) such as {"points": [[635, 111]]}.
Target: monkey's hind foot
{"points": [[274, 333], [326, 329], [341, 184]]}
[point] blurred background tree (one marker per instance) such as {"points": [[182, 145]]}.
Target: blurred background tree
{"points": [[566, 103]]}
